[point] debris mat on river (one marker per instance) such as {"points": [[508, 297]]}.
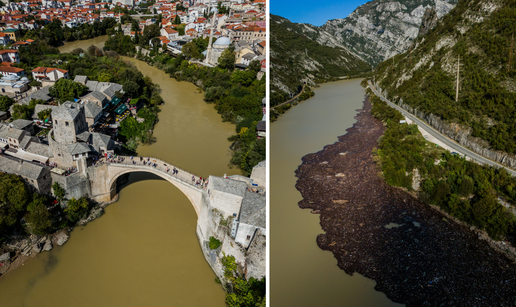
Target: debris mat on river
{"points": [[420, 259]]}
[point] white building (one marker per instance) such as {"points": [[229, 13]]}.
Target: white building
{"points": [[49, 74]]}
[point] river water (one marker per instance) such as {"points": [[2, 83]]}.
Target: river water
{"points": [[301, 274], [84, 44], [143, 251]]}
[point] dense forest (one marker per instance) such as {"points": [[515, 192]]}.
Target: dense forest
{"points": [[468, 191], [425, 76]]}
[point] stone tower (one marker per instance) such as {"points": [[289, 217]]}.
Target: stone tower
{"points": [[68, 121], [209, 51]]}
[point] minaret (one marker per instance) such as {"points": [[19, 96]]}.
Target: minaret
{"points": [[208, 53]]}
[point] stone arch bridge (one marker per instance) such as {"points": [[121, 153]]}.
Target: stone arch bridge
{"points": [[103, 177]]}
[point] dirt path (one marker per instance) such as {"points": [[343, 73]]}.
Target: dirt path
{"points": [[421, 259]]}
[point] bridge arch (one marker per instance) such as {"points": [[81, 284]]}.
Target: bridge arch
{"points": [[104, 175], [193, 194]]}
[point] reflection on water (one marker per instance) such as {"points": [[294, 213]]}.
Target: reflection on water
{"points": [[143, 251], [301, 273]]}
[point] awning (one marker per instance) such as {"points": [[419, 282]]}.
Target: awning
{"points": [[57, 171], [27, 156], [121, 109], [115, 101]]}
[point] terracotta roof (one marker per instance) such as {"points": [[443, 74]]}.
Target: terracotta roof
{"points": [[8, 51], [170, 31], [11, 69]]}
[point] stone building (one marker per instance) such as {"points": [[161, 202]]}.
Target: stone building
{"points": [[69, 120], [215, 51], [235, 213], [14, 84], [23, 124], [70, 139], [36, 176], [97, 98]]}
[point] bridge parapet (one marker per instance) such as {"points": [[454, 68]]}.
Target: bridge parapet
{"points": [[104, 174], [166, 169]]}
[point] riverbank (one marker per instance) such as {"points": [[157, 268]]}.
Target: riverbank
{"points": [[26, 248], [416, 256]]}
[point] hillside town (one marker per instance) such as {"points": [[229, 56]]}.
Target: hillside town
{"points": [[237, 22]]}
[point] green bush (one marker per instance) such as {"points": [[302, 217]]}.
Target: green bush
{"points": [[214, 243]]}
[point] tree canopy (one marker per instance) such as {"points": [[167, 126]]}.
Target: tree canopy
{"points": [[6, 103], [66, 89]]}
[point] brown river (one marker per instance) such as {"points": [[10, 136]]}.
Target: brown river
{"points": [[301, 274], [143, 251]]}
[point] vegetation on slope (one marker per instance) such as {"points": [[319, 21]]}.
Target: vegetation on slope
{"points": [[487, 88], [25, 212], [466, 190], [242, 292], [295, 57]]}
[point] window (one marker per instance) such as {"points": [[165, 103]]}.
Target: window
{"points": [[56, 121], [66, 124], [248, 237]]}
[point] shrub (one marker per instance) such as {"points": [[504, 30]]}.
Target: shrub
{"points": [[214, 243]]}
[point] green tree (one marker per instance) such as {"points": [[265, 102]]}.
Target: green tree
{"points": [[243, 77], [180, 29], [76, 208], [149, 33], [177, 20], [44, 114], [131, 88], [38, 217], [190, 50], [201, 43], [6, 103], [227, 59], [255, 66], [59, 192], [66, 89], [13, 199]]}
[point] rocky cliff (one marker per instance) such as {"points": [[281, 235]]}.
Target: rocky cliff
{"points": [[380, 29], [475, 37], [296, 57], [429, 21]]}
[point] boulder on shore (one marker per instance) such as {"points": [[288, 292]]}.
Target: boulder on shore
{"points": [[5, 256], [36, 247], [62, 237], [48, 245]]}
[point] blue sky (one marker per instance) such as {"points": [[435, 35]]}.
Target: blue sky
{"points": [[313, 12]]}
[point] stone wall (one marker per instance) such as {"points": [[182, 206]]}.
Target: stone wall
{"points": [[76, 185], [213, 222], [61, 153], [259, 174]]}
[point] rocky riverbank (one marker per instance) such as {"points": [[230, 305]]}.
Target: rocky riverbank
{"points": [[20, 249], [416, 255]]}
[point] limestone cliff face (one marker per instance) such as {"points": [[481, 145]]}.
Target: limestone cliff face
{"points": [[380, 29], [468, 33], [298, 56], [429, 21]]}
